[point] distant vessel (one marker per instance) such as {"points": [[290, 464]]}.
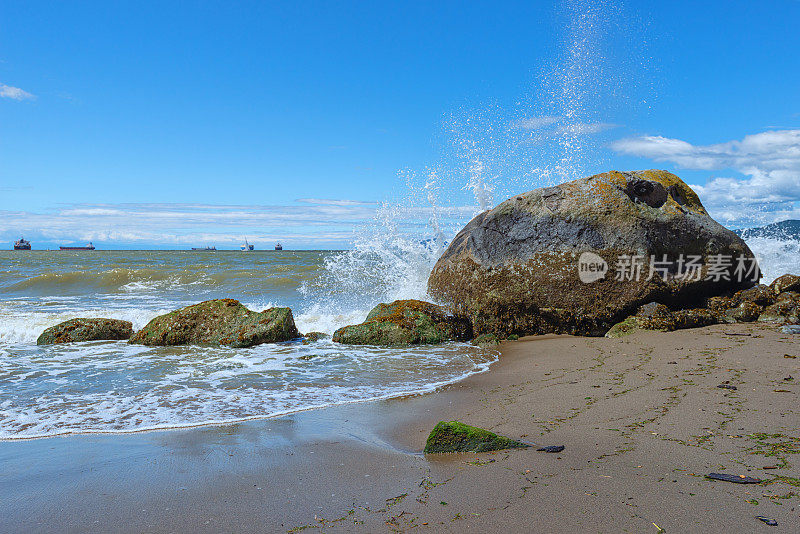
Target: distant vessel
{"points": [[22, 244], [247, 247], [88, 246], [278, 246], [205, 249]]}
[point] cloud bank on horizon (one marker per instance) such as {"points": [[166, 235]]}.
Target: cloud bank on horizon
{"points": [[311, 223], [770, 162]]}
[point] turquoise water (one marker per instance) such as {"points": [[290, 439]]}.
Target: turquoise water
{"points": [[116, 387]]}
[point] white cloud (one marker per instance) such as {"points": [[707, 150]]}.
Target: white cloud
{"points": [[770, 161], [14, 93]]}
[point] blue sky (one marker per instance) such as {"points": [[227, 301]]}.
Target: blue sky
{"points": [[137, 124]]}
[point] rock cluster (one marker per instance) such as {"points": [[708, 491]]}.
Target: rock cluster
{"points": [[777, 303]]}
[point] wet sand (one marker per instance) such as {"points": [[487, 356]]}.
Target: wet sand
{"points": [[641, 417]]}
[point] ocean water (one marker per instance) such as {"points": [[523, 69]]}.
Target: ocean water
{"points": [[116, 387]]}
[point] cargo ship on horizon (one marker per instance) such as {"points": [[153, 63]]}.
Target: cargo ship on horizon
{"points": [[22, 244], [88, 246]]}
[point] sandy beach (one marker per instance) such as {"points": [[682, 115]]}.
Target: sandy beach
{"points": [[642, 420]]}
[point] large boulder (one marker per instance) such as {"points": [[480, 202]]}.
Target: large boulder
{"points": [[86, 330], [218, 322], [563, 259], [405, 322]]}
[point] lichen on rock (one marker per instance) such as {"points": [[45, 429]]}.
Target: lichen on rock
{"points": [[514, 269], [218, 322], [453, 436], [76, 330], [655, 316], [784, 283], [786, 309], [405, 322]]}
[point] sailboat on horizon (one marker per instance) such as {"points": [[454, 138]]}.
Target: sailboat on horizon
{"points": [[247, 247]]}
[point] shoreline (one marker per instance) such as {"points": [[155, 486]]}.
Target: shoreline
{"points": [[432, 388], [640, 432]]}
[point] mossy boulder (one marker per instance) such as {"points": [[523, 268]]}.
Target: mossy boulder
{"points": [[405, 322], [786, 309], [86, 330], [787, 282], [761, 295], [655, 316], [746, 312], [452, 436], [515, 269], [486, 340], [218, 322]]}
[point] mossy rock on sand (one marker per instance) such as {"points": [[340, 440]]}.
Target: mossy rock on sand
{"points": [[654, 316], [453, 436], [405, 322], [787, 282], [219, 322], [86, 330], [785, 310], [515, 269]]}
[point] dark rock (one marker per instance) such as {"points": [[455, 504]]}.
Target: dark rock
{"points": [[551, 448], [767, 520], [727, 386], [453, 436], [405, 322], [514, 269], [218, 322], [787, 282], [86, 330]]}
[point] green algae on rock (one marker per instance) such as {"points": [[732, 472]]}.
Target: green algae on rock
{"points": [[86, 330], [515, 269], [655, 316], [314, 336], [786, 282], [452, 436], [786, 309], [218, 322], [405, 322]]}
